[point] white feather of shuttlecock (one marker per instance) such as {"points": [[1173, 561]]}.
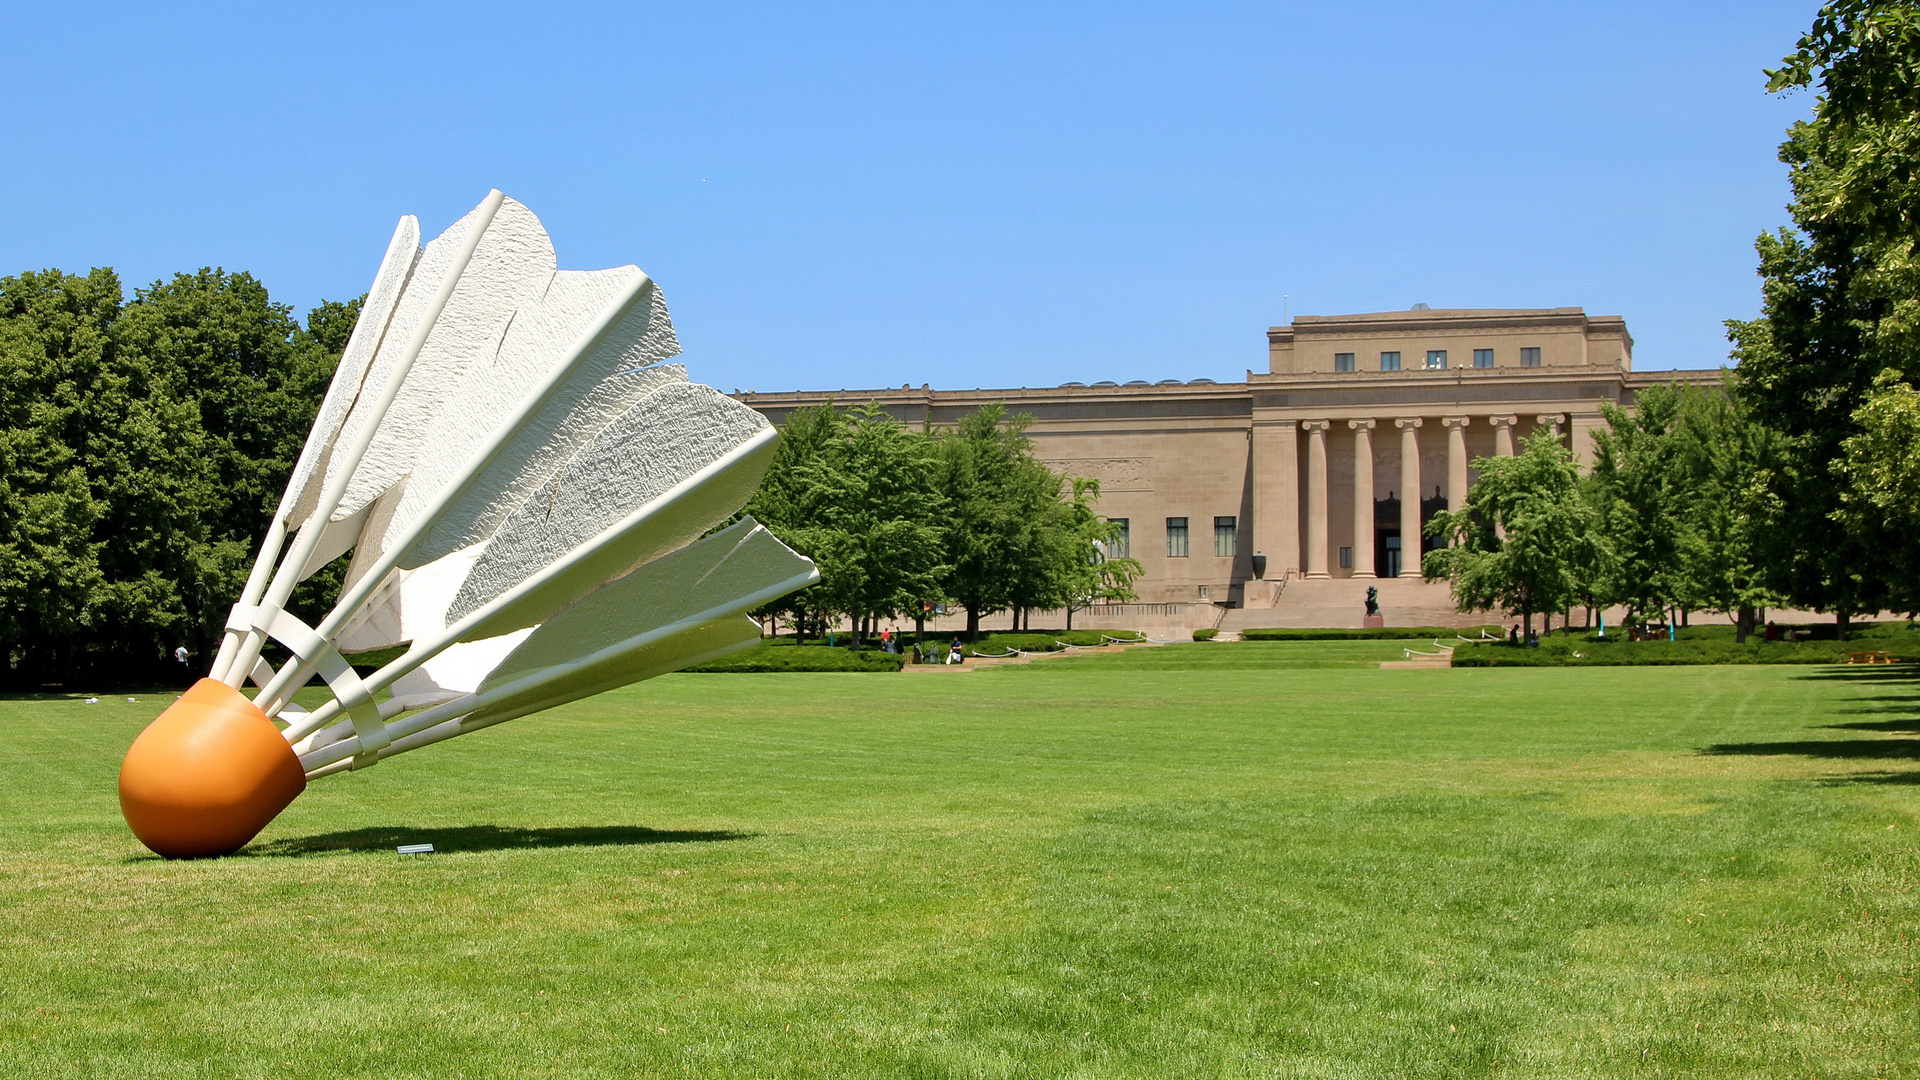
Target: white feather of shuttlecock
{"points": [[503, 449], [682, 609]]}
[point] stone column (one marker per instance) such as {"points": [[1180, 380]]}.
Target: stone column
{"points": [[1409, 495], [1362, 497], [1456, 461], [1503, 434], [1580, 429], [1316, 497], [1550, 421], [1276, 495]]}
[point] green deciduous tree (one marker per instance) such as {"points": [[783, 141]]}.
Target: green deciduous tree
{"points": [[897, 519], [1638, 483], [1527, 539], [1681, 485], [1728, 461], [55, 349], [142, 447], [1004, 540], [1840, 295], [854, 492], [1880, 477], [1097, 575]]}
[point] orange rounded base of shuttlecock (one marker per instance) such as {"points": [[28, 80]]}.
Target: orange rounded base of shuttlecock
{"points": [[207, 775]]}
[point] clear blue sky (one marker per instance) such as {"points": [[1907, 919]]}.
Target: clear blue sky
{"points": [[964, 195]]}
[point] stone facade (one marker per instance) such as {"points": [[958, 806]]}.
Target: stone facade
{"points": [[1309, 463]]}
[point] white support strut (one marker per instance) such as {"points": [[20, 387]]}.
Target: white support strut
{"points": [[350, 693]]}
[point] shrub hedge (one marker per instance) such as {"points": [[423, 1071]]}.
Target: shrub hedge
{"points": [[999, 644], [802, 658], [1207, 634], [1385, 633], [1694, 645]]}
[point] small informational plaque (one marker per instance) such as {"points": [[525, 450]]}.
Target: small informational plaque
{"points": [[415, 849]]}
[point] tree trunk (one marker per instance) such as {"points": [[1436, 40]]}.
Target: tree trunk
{"points": [[1526, 624], [919, 626], [973, 623], [1743, 621], [1842, 621]]}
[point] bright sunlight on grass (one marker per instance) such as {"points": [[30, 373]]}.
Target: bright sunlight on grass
{"points": [[1201, 860]]}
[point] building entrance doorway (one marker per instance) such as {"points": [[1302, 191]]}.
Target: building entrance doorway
{"points": [[1391, 565]]}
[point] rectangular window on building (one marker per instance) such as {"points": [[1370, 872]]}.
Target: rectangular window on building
{"points": [[1122, 545], [1483, 358], [1226, 538], [1529, 357], [1176, 538], [1389, 361], [1346, 558], [1343, 361], [1436, 358], [1203, 592]]}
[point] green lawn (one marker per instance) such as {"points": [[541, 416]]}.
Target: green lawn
{"points": [[1202, 860]]}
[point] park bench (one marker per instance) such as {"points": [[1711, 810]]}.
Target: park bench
{"points": [[1877, 656]]}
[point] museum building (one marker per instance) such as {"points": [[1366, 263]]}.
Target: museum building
{"points": [[1326, 464]]}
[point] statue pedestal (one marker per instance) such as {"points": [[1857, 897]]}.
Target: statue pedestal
{"points": [[1372, 622]]}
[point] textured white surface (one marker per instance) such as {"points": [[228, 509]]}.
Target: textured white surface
{"points": [[303, 487], [512, 263], [509, 402], [681, 609], [373, 523], [457, 670], [664, 440], [336, 539], [378, 626], [433, 266], [605, 383], [707, 576], [544, 464], [416, 607]]}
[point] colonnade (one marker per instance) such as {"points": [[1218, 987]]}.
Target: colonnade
{"points": [[1276, 441]]}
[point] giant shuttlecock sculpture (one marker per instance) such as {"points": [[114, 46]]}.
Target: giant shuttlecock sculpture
{"points": [[530, 494]]}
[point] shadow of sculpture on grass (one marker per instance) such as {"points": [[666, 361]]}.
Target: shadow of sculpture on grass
{"points": [[486, 838]]}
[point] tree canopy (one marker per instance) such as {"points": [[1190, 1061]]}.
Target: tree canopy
{"points": [[1840, 297], [898, 519], [143, 445], [1526, 541]]}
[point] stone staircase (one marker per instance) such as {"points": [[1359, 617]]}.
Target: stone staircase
{"points": [[1342, 602]]}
